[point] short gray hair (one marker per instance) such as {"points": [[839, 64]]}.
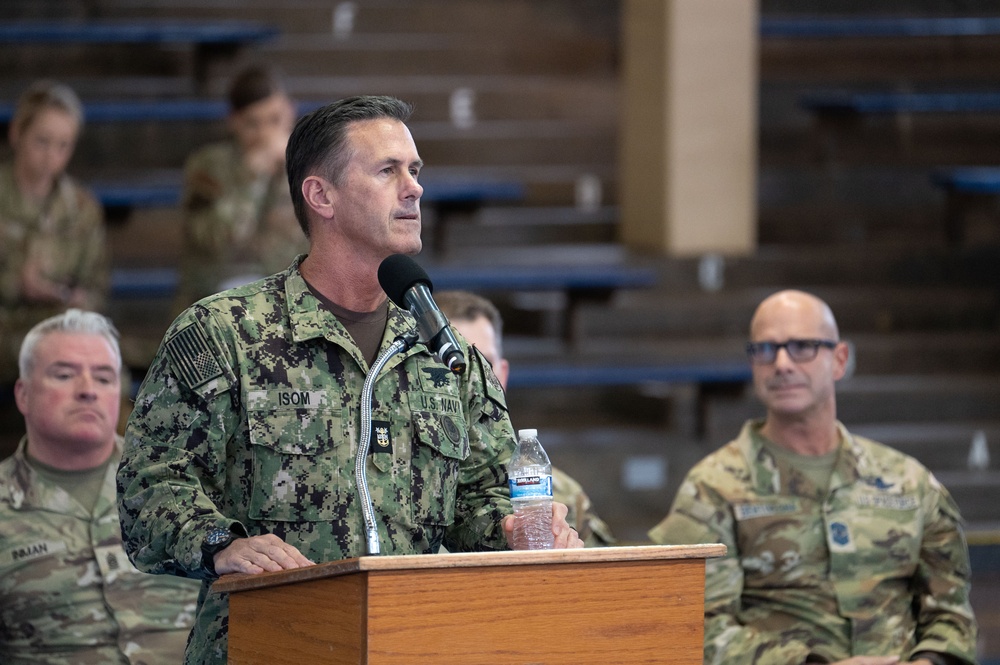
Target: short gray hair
{"points": [[74, 321]]}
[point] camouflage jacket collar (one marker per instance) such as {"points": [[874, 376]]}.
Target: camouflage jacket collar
{"points": [[26, 490], [310, 320], [60, 203], [851, 463]]}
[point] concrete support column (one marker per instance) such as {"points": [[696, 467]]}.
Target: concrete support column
{"points": [[688, 159]]}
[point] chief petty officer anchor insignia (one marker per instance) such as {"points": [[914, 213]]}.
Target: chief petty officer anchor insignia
{"points": [[381, 438]]}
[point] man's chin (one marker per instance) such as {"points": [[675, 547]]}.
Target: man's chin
{"points": [[410, 247], [92, 434]]}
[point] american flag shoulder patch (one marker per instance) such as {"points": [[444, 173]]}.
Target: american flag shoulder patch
{"points": [[192, 358]]}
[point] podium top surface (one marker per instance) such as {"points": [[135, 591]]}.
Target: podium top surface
{"points": [[245, 582]]}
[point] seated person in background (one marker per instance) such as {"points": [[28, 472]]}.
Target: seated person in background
{"points": [[239, 224], [841, 550], [68, 593], [479, 321], [52, 242]]}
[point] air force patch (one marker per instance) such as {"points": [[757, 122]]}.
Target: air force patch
{"points": [[839, 537]]}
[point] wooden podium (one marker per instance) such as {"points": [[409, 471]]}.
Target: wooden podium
{"points": [[613, 605]]}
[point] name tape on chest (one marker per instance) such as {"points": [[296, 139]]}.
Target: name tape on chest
{"points": [[285, 399], [746, 511], [887, 501], [35, 550]]}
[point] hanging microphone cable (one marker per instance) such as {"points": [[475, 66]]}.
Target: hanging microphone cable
{"points": [[400, 344]]}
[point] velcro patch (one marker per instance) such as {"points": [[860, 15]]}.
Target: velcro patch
{"points": [[381, 437], [888, 501], [191, 356], [37, 550], [746, 511], [839, 538]]}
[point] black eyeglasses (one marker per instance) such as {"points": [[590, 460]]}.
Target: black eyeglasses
{"points": [[799, 350]]}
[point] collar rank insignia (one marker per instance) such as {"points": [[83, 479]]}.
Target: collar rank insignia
{"points": [[381, 441]]}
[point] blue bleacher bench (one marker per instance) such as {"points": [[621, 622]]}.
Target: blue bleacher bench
{"points": [[701, 374], [131, 31], [164, 190], [210, 39], [125, 197], [841, 27], [580, 283], [868, 103], [968, 179], [964, 186], [160, 282], [153, 110], [563, 375], [542, 278]]}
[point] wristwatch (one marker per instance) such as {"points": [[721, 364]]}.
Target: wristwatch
{"points": [[217, 540]]}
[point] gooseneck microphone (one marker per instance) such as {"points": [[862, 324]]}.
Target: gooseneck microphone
{"points": [[406, 283]]}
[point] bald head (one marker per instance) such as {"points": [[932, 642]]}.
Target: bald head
{"points": [[805, 310]]}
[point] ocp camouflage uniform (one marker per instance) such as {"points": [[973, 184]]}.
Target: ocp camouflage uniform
{"points": [[877, 565], [235, 223], [592, 529], [68, 594], [64, 234], [250, 415]]}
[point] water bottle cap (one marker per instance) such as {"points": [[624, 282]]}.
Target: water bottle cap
{"points": [[527, 434]]}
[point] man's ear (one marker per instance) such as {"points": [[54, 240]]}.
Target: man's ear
{"points": [[502, 371], [21, 396], [841, 360], [319, 195]]}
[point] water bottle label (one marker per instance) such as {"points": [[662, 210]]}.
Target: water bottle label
{"points": [[530, 487]]}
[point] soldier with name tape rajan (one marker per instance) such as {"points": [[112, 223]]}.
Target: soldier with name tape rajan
{"points": [[68, 593], [241, 448], [840, 549]]}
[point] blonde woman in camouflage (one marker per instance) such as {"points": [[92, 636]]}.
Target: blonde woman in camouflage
{"points": [[52, 240]]}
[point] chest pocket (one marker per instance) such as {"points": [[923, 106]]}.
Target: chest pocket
{"points": [[781, 541], [440, 443], [886, 529], [300, 449]]}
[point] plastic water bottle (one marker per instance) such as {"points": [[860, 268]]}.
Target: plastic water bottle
{"points": [[530, 475]]}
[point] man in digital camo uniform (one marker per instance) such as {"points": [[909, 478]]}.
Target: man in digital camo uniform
{"points": [[241, 448], [479, 322], [68, 594], [239, 224], [841, 550]]}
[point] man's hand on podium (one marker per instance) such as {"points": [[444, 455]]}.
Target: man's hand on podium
{"points": [[259, 554], [564, 536]]}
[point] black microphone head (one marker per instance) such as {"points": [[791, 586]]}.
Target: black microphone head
{"points": [[397, 274]]}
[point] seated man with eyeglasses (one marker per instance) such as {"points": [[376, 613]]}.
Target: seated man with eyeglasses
{"points": [[840, 549]]}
